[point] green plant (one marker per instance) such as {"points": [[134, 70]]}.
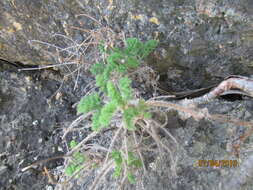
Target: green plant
{"points": [[119, 91], [115, 85], [76, 164]]}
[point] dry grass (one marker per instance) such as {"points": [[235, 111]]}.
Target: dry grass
{"points": [[74, 58]]}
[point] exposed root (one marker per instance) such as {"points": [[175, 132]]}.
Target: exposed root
{"points": [[199, 113]]}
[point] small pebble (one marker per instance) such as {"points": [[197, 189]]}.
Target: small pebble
{"points": [[49, 187], [35, 123], [40, 140]]}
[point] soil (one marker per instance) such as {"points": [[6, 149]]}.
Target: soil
{"points": [[32, 122]]}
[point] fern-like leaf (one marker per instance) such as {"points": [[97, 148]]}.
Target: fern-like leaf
{"points": [[114, 93], [125, 88], [131, 178], [148, 47], [97, 68], [117, 157], [133, 46], [96, 126], [132, 62], [106, 113], [133, 160], [89, 103], [128, 115]]}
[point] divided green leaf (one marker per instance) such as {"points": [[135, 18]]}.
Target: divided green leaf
{"points": [[116, 156], [101, 46], [125, 88], [70, 169], [133, 46], [149, 46], [106, 113], [131, 178], [128, 115], [89, 103], [73, 144], [114, 93], [133, 160], [96, 126], [78, 158], [97, 68]]}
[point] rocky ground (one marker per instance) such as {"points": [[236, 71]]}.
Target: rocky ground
{"points": [[33, 116], [200, 43]]}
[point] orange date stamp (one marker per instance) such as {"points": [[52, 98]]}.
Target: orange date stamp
{"points": [[218, 163]]}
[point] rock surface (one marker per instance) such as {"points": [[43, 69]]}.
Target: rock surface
{"points": [[32, 120]]}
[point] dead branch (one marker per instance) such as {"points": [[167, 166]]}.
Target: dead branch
{"points": [[198, 114], [243, 84]]}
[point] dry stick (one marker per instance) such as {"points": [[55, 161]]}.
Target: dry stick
{"points": [[42, 161], [140, 145], [126, 156], [96, 147], [47, 66], [104, 171], [166, 131], [151, 134], [83, 176], [89, 17], [48, 44], [79, 58], [92, 34], [234, 82], [75, 123], [92, 83], [122, 183], [126, 148], [139, 153], [93, 134], [198, 113], [52, 181], [112, 143], [80, 47], [159, 142], [77, 77], [83, 51], [81, 29], [64, 78], [173, 165], [155, 136], [66, 37], [162, 97], [58, 90]]}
